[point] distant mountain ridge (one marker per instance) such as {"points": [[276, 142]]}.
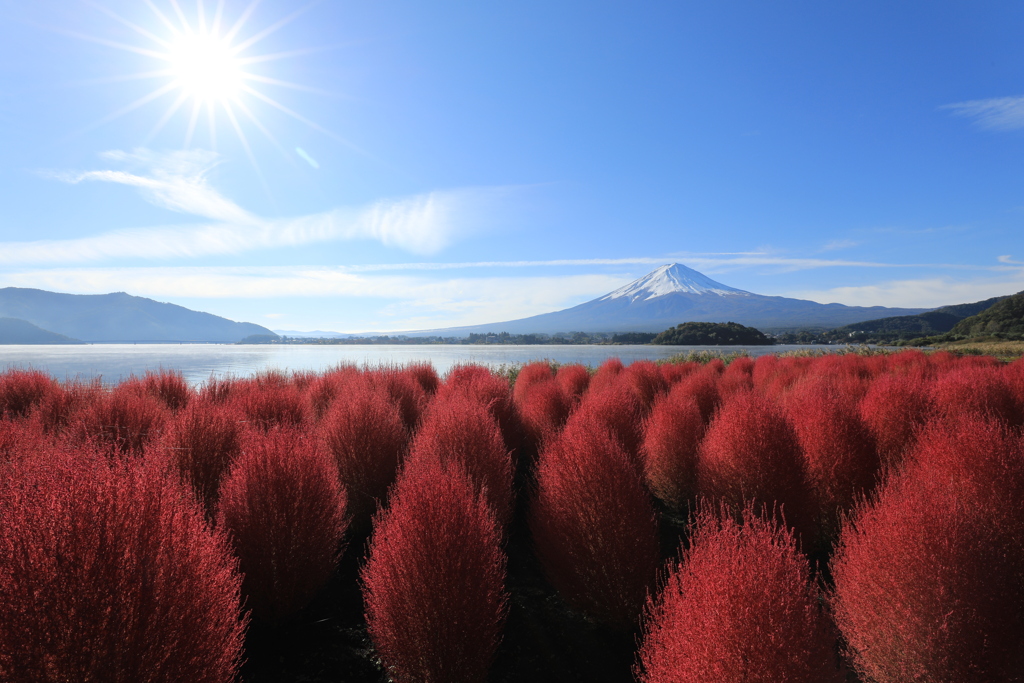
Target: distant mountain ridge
{"points": [[1004, 318], [119, 317], [674, 294], [17, 331]]}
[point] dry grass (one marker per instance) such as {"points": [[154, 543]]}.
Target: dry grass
{"points": [[1002, 349]]}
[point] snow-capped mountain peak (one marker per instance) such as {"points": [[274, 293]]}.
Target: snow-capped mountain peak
{"points": [[669, 279]]}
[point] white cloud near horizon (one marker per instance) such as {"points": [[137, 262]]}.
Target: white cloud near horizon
{"points": [[415, 302], [920, 293], [996, 113], [422, 224]]}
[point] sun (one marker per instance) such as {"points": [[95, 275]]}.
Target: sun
{"points": [[203, 60], [205, 68]]}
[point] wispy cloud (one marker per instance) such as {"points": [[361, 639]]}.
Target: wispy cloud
{"points": [[422, 224], [997, 113], [839, 244]]}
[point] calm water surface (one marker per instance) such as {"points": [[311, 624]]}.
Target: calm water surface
{"points": [[199, 362]]}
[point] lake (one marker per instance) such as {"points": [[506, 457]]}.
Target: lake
{"points": [[199, 362]]}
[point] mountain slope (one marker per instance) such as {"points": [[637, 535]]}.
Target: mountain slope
{"points": [[17, 331], [674, 294], [119, 317], [939, 321], [1006, 318]]}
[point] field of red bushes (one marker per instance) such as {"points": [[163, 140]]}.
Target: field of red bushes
{"points": [[790, 519]]}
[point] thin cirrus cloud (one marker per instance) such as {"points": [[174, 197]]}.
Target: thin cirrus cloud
{"points": [[421, 224], [997, 113]]}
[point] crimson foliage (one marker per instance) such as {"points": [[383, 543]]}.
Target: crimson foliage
{"points": [[574, 379], [365, 433], [458, 429], [170, 387], [978, 390], [894, 409], [672, 436], [530, 374], [739, 607], [284, 510], [200, 444], [123, 420], [110, 573], [645, 380], [489, 390], [593, 524], [929, 577], [23, 390], [840, 458], [751, 452], [433, 582]]}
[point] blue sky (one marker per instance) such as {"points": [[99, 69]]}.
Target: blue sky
{"points": [[410, 165]]}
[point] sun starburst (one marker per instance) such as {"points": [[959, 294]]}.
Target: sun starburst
{"points": [[204, 62]]}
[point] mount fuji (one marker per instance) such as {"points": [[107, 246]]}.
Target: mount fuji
{"points": [[674, 294]]}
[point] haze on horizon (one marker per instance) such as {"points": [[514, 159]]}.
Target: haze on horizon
{"points": [[356, 166]]}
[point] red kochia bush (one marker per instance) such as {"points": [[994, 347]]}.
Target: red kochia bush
{"points": [[433, 583], [269, 402], [365, 433], [739, 607], [976, 390], [894, 408], [644, 379], [929, 577], [672, 438], [110, 573], [457, 428], [405, 390], [200, 444], [284, 510], [22, 390], [170, 387], [574, 379], [840, 457], [123, 420], [593, 524], [489, 390], [543, 409], [617, 408], [751, 452], [702, 384], [530, 374], [737, 377]]}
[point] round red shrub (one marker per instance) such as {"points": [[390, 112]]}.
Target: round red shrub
{"points": [[574, 379], [110, 573], [673, 372], [433, 582], [751, 453], [268, 401], [840, 457], [405, 391], [170, 387], [284, 510], [894, 409], [593, 523], [530, 374], [978, 390], [607, 374], [489, 390], [672, 437], [457, 428], [543, 409], [60, 408], [123, 420], [644, 379], [616, 408], [23, 390], [200, 444], [365, 433], [929, 577], [425, 375], [739, 607], [737, 377], [702, 384]]}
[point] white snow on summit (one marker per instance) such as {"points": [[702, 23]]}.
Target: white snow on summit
{"points": [[669, 279]]}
